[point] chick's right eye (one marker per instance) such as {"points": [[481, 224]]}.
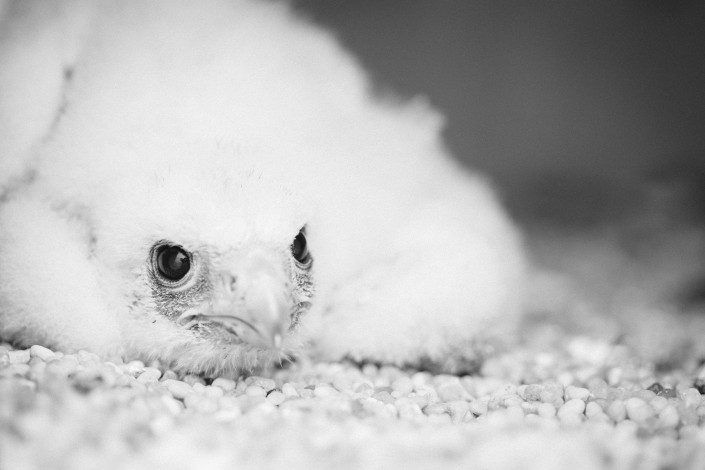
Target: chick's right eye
{"points": [[172, 262], [299, 248]]}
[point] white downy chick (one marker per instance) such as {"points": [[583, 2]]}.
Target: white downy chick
{"points": [[212, 183]]}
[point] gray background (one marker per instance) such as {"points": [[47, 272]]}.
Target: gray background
{"points": [[577, 109]]}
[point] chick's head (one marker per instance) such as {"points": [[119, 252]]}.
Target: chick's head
{"points": [[214, 272]]}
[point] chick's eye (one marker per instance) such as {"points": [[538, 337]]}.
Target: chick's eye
{"points": [[173, 262], [300, 249]]}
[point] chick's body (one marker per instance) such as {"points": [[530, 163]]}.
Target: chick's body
{"points": [[243, 136]]}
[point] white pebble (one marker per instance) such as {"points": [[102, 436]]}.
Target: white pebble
{"points": [[289, 390], [41, 352], [614, 376], [226, 385], [571, 411], [403, 385], [171, 404], [178, 388], [691, 397], [546, 410], [669, 416], [342, 382], [15, 370], [408, 409], [255, 391], [514, 414], [478, 407], [439, 420], [532, 392], [213, 392], [617, 411], [324, 390], [265, 383], [458, 409], [658, 403], [150, 375], [690, 431], [67, 365], [133, 368], [451, 391], [276, 397], [572, 392], [435, 409], [193, 380], [420, 399], [638, 410], [593, 409], [18, 356], [87, 358], [227, 415]]}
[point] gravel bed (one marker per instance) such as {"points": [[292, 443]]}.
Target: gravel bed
{"points": [[576, 403]]}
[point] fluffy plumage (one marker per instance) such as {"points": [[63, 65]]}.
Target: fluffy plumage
{"points": [[224, 128]]}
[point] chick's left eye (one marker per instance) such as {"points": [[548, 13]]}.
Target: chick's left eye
{"points": [[173, 262], [300, 248]]}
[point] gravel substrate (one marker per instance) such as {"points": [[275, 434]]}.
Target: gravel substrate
{"points": [[575, 403]]}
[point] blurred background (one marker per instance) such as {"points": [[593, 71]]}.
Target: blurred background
{"points": [[589, 115], [579, 110]]}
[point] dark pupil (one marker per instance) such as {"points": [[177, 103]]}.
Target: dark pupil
{"points": [[299, 248], [173, 263]]}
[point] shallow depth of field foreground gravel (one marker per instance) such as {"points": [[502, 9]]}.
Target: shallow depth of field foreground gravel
{"points": [[564, 402], [578, 392]]}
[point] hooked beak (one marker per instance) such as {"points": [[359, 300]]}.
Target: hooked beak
{"points": [[266, 304], [252, 302]]}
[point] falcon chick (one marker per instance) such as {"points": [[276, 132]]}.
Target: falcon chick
{"points": [[215, 183]]}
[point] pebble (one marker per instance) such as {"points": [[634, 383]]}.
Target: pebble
{"points": [[407, 409], [226, 385], [255, 391], [571, 410], [178, 388], [41, 352], [451, 392], [15, 370], [384, 397], [592, 409], [19, 356], [435, 409], [638, 410], [572, 392], [324, 390], [389, 393], [193, 380], [458, 409], [420, 399], [689, 431], [691, 397], [289, 390], [265, 383], [169, 374], [546, 410], [658, 403], [669, 417], [88, 358], [276, 397], [532, 392], [213, 392], [478, 407], [149, 375], [403, 385], [617, 411]]}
